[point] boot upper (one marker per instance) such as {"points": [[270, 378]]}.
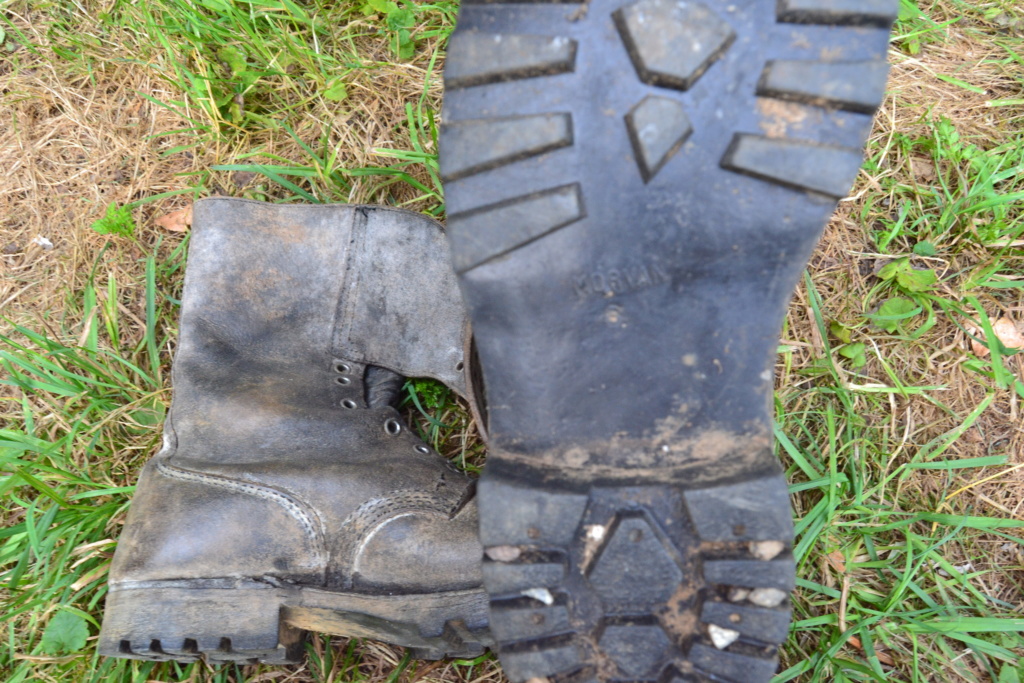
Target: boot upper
{"points": [[279, 460]]}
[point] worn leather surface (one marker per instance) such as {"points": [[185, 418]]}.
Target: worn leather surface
{"points": [[274, 465]]}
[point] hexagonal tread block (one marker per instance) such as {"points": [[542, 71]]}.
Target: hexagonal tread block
{"points": [[672, 42], [635, 572]]}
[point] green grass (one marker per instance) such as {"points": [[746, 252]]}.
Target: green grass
{"points": [[862, 508], [905, 574]]}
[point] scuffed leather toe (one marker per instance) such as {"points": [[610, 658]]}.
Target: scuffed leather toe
{"points": [[420, 552]]}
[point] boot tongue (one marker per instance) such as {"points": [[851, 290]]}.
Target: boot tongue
{"points": [[382, 387]]}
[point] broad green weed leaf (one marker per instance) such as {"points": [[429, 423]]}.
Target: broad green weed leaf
{"points": [[889, 270], [893, 312], [66, 632], [406, 45], [907, 277], [400, 18], [433, 393], [917, 280], [382, 6], [840, 331], [854, 352], [336, 92]]}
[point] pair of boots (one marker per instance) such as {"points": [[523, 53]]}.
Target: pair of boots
{"points": [[633, 188]]}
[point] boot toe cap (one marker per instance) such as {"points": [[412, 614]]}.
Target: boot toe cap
{"points": [[420, 552]]}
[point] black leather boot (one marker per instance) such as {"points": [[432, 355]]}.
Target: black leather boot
{"points": [[633, 189], [289, 495]]}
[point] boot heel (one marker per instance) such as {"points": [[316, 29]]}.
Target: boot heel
{"points": [[239, 624]]}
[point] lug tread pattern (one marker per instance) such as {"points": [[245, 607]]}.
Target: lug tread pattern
{"points": [[488, 143], [645, 585], [880, 13], [853, 86], [776, 573], [798, 164], [640, 651], [652, 581], [529, 619], [672, 43], [756, 510], [272, 646], [511, 579], [539, 660], [658, 127], [730, 666], [482, 58], [757, 623], [210, 648], [672, 46], [493, 231], [764, 105]]}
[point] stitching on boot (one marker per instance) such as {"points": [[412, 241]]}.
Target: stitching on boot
{"points": [[350, 288], [290, 505], [369, 516]]}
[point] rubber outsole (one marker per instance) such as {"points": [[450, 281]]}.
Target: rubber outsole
{"points": [[633, 189], [249, 622]]}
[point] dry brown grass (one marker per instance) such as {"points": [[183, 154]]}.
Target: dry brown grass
{"points": [[73, 141], [844, 272]]}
